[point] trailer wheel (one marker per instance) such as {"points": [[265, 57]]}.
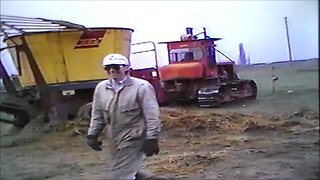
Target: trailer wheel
{"points": [[84, 112], [17, 108]]}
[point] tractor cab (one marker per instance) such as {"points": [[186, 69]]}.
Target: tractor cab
{"points": [[191, 58], [196, 56]]}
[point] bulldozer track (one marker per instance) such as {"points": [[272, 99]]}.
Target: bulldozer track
{"points": [[246, 90]]}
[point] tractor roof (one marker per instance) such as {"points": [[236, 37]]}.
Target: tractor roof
{"points": [[208, 39]]}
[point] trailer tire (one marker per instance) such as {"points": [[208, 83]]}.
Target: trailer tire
{"points": [[84, 112]]}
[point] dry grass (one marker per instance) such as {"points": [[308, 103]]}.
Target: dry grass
{"points": [[186, 163]]}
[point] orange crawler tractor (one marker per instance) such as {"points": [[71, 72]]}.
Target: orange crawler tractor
{"points": [[193, 73]]}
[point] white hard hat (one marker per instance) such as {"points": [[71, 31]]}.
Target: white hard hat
{"points": [[115, 59]]}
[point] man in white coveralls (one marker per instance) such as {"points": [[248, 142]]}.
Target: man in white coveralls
{"points": [[129, 110]]}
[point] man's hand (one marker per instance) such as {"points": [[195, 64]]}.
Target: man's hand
{"points": [[92, 141], [151, 147]]}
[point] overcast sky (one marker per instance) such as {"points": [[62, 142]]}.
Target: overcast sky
{"points": [[259, 25]]}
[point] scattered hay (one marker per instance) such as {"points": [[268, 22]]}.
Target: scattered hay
{"points": [[304, 112], [70, 128], [236, 140], [187, 163], [195, 121], [253, 126]]}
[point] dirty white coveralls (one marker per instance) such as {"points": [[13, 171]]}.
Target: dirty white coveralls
{"points": [[130, 113]]}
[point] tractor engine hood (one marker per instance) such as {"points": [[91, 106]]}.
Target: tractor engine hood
{"points": [[190, 70]]}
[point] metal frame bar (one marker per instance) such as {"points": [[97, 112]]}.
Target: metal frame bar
{"points": [[18, 25], [8, 47], [46, 100], [149, 50], [7, 82]]}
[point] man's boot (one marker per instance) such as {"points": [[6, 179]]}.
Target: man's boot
{"points": [[148, 176]]}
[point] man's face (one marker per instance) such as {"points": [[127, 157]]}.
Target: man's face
{"points": [[116, 71]]}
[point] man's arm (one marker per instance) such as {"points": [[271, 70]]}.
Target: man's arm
{"points": [[151, 111], [97, 122]]}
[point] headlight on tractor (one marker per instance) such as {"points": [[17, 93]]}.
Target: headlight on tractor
{"points": [[208, 91], [162, 85]]}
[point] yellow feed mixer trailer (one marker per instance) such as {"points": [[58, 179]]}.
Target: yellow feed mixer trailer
{"points": [[59, 63]]}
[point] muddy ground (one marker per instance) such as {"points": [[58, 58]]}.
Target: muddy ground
{"points": [[275, 136]]}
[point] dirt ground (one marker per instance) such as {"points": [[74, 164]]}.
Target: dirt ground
{"points": [[275, 136]]}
